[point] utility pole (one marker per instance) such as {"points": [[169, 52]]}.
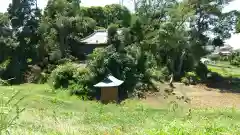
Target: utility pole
{"points": [[135, 5], [36, 4], [121, 2]]}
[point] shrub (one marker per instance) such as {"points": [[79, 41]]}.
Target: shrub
{"points": [[60, 77], [155, 73], [140, 90], [185, 81], [190, 78], [165, 73], [224, 58], [72, 77], [43, 78], [235, 61]]}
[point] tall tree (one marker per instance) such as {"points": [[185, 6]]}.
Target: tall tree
{"points": [[110, 14], [238, 23], [61, 24], [24, 17], [178, 31]]}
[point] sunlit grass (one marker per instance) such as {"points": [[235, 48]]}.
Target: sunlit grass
{"points": [[58, 113], [225, 71]]}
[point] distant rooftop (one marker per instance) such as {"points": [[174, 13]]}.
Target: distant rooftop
{"points": [[98, 37], [110, 81]]}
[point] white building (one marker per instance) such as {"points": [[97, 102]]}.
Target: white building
{"points": [[224, 50]]}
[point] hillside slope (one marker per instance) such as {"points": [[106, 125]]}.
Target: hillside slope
{"points": [[57, 113]]}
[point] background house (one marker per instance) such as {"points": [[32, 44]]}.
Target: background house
{"points": [[96, 40], [224, 50]]}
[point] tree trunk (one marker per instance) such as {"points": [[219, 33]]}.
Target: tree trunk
{"points": [[171, 62], [171, 80], [181, 63], [62, 35]]}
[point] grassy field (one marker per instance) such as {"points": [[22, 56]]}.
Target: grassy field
{"points": [[57, 113], [225, 69]]}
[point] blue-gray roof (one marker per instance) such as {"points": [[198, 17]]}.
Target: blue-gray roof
{"points": [[110, 81], [98, 37]]}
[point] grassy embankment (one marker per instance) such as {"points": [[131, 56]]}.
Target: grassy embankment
{"points": [[225, 69], [58, 113]]}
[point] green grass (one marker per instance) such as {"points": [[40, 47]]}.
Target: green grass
{"points": [[59, 114], [226, 71]]}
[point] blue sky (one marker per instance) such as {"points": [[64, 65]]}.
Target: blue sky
{"points": [[234, 5]]}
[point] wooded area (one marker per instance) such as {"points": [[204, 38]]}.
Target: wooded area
{"points": [[163, 40]]}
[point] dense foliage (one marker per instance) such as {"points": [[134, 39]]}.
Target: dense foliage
{"points": [[234, 58], [72, 77], [162, 40]]}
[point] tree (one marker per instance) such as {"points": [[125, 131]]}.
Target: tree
{"points": [[20, 43], [177, 33], [209, 20], [238, 22], [62, 24], [110, 14], [96, 13]]}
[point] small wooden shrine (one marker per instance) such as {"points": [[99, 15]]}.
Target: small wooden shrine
{"points": [[109, 89]]}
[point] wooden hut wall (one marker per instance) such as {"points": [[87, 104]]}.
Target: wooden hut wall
{"points": [[109, 94]]}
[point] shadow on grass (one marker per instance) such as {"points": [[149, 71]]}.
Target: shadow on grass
{"points": [[226, 84]]}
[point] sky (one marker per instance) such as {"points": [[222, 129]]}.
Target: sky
{"points": [[87, 3], [234, 5]]}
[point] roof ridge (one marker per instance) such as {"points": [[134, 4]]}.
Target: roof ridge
{"points": [[101, 30], [88, 36]]}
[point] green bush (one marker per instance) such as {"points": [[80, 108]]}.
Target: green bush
{"points": [[235, 61], [224, 58], [190, 78], [165, 73], [72, 77], [155, 73], [60, 77], [185, 81]]}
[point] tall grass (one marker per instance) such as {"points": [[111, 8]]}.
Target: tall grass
{"points": [[9, 112], [59, 114]]}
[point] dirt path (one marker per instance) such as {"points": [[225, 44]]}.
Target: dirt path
{"points": [[201, 97]]}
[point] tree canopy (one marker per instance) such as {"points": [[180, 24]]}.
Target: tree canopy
{"points": [[162, 39]]}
